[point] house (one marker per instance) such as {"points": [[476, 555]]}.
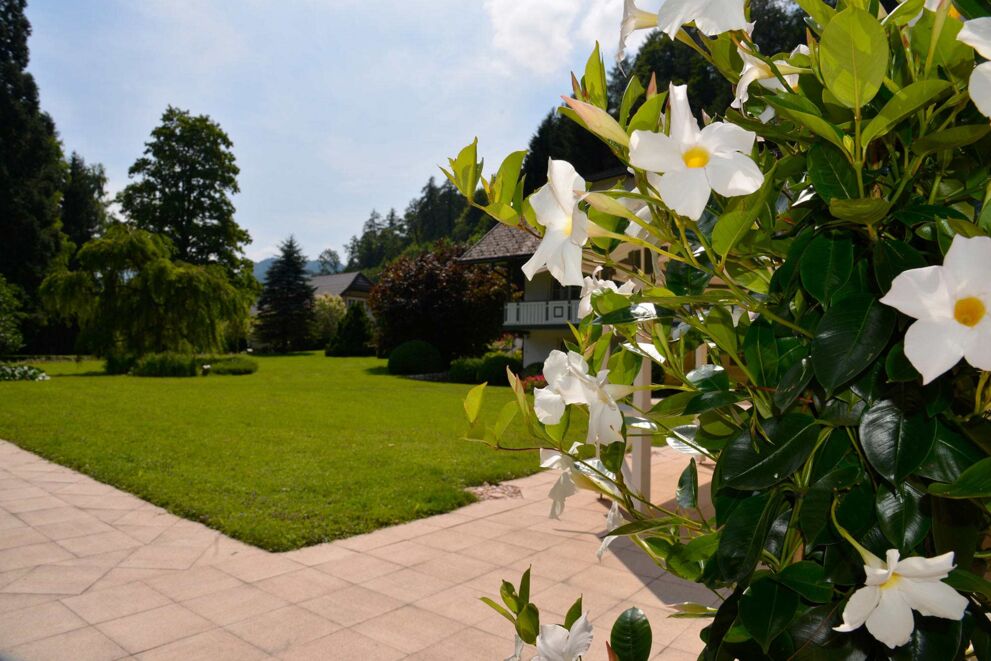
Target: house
{"points": [[353, 287], [545, 308]]}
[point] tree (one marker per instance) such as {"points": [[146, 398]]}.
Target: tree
{"points": [[433, 297], [330, 262], [285, 308], [10, 317], [84, 204], [328, 311], [354, 335], [183, 189], [129, 297], [31, 166]]}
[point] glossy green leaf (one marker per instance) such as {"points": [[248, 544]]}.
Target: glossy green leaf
{"points": [[573, 614], [864, 210], [793, 382], [528, 624], [826, 265], [850, 336], [965, 581], [894, 442], [807, 579], [499, 609], [820, 12], [706, 401], [719, 325], [760, 348], [905, 102], [954, 137], [805, 113], [473, 402], [509, 597], [757, 463], [975, 482], [687, 493], [904, 13], [594, 80], [951, 455], [891, 257], [899, 513], [633, 93], [648, 116], [504, 184], [631, 636], [831, 173], [742, 538], [709, 378], [897, 366], [766, 609], [853, 57]]}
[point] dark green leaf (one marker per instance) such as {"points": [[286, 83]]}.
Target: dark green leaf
{"points": [[950, 456], [899, 513], [826, 264], [742, 539], [864, 210], [612, 455], [894, 442], [850, 336], [525, 587], [891, 257], [574, 613], [964, 581], [719, 324], [807, 579], [898, 367], [688, 486], [802, 111], [933, 639], [709, 378], [975, 482], [766, 609], [905, 101], [706, 401], [631, 637], [528, 624], [793, 383], [949, 139], [757, 463], [761, 352], [831, 173], [510, 598]]}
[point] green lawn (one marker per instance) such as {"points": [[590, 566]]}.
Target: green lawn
{"points": [[306, 450]]}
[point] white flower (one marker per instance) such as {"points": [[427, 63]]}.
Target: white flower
{"points": [[555, 643], [593, 286], [605, 420], [565, 225], [614, 519], [711, 17], [590, 474], [565, 486], [695, 162], [517, 650], [634, 19], [757, 70], [894, 588], [977, 35], [951, 304]]}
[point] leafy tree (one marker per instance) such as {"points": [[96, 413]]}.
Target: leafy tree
{"points": [[433, 297], [84, 204], [330, 262], [328, 311], [31, 166], [10, 317], [128, 296], [183, 189], [285, 308], [354, 335]]}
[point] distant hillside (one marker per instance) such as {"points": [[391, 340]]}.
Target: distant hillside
{"points": [[261, 268]]}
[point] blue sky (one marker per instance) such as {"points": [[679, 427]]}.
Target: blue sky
{"points": [[335, 107]]}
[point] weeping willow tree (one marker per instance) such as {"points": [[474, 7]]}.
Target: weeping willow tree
{"points": [[129, 296]]}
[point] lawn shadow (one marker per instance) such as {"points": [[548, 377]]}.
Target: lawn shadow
{"points": [[90, 373], [378, 370]]}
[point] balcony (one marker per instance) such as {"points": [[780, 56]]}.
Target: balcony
{"points": [[537, 314]]}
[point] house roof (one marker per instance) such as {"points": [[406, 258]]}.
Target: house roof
{"points": [[502, 242], [341, 283]]}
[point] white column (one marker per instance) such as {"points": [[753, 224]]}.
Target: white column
{"points": [[641, 438]]}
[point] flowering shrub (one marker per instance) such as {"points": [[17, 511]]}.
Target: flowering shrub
{"points": [[825, 247], [530, 383], [22, 373]]}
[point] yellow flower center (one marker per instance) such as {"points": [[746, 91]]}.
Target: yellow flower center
{"points": [[568, 224], [953, 13], [696, 157], [969, 311], [891, 582]]}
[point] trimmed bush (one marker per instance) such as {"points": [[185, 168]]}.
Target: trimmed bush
{"points": [[464, 370], [415, 357], [234, 366], [353, 335], [493, 368], [119, 363], [167, 364]]}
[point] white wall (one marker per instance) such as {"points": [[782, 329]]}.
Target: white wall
{"points": [[538, 344]]}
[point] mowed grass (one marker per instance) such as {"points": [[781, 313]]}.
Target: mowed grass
{"points": [[306, 450]]}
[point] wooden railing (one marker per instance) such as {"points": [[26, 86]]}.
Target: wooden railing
{"points": [[540, 313]]}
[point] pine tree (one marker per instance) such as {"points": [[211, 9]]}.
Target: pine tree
{"points": [[354, 335], [84, 207], [285, 308]]}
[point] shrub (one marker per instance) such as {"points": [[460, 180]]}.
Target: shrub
{"points": [[464, 370], [167, 364], [120, 363], [415, 357], [493, 368], [11, 338], [353, 336], [21, 373], [328, 312], [530, 383], [233, 366], [533, 369]]}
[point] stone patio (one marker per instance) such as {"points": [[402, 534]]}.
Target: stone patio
{"points": [[90, 572]]}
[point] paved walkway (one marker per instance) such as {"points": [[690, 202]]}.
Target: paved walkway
{"points": [[90, 572]]}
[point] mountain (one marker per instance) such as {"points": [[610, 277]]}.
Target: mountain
{"points": [[261, 268]]}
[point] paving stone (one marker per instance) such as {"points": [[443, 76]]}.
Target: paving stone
{"points": [[215, 645], [359, 568], [352, 605], [32, 555], [301, 585], [153, 628], [195, 582], [33, 623], [258, 567], [116, 602], [56, 579], [234, 604], [86, 644], [278, 631], [409, 628], [344, 644]]}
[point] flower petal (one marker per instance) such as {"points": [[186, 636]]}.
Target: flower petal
{"points": [[933, 347], [723, 138], [548, 405], [580, 637], [685, 192], [655, 152], [978, 353], [921, 293], [891, 621], [747, 76], [549, 246], [564, 180], [977, 35], [562, 489], [722, 16], [859, 607], [932, 598], [675, 13], [979, 88], [932, 568], [968, 263], [733, 175], [552, 643], [684, 127]]}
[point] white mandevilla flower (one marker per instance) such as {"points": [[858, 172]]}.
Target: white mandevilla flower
{"points": [[565, 225], [593, 285], [951, 305], [614, 519], [555, 643], [894, 588], [977, 35], [696, 162], [565, 486], [590, 474], [757, 70], [634, 19], [711, 17]]}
